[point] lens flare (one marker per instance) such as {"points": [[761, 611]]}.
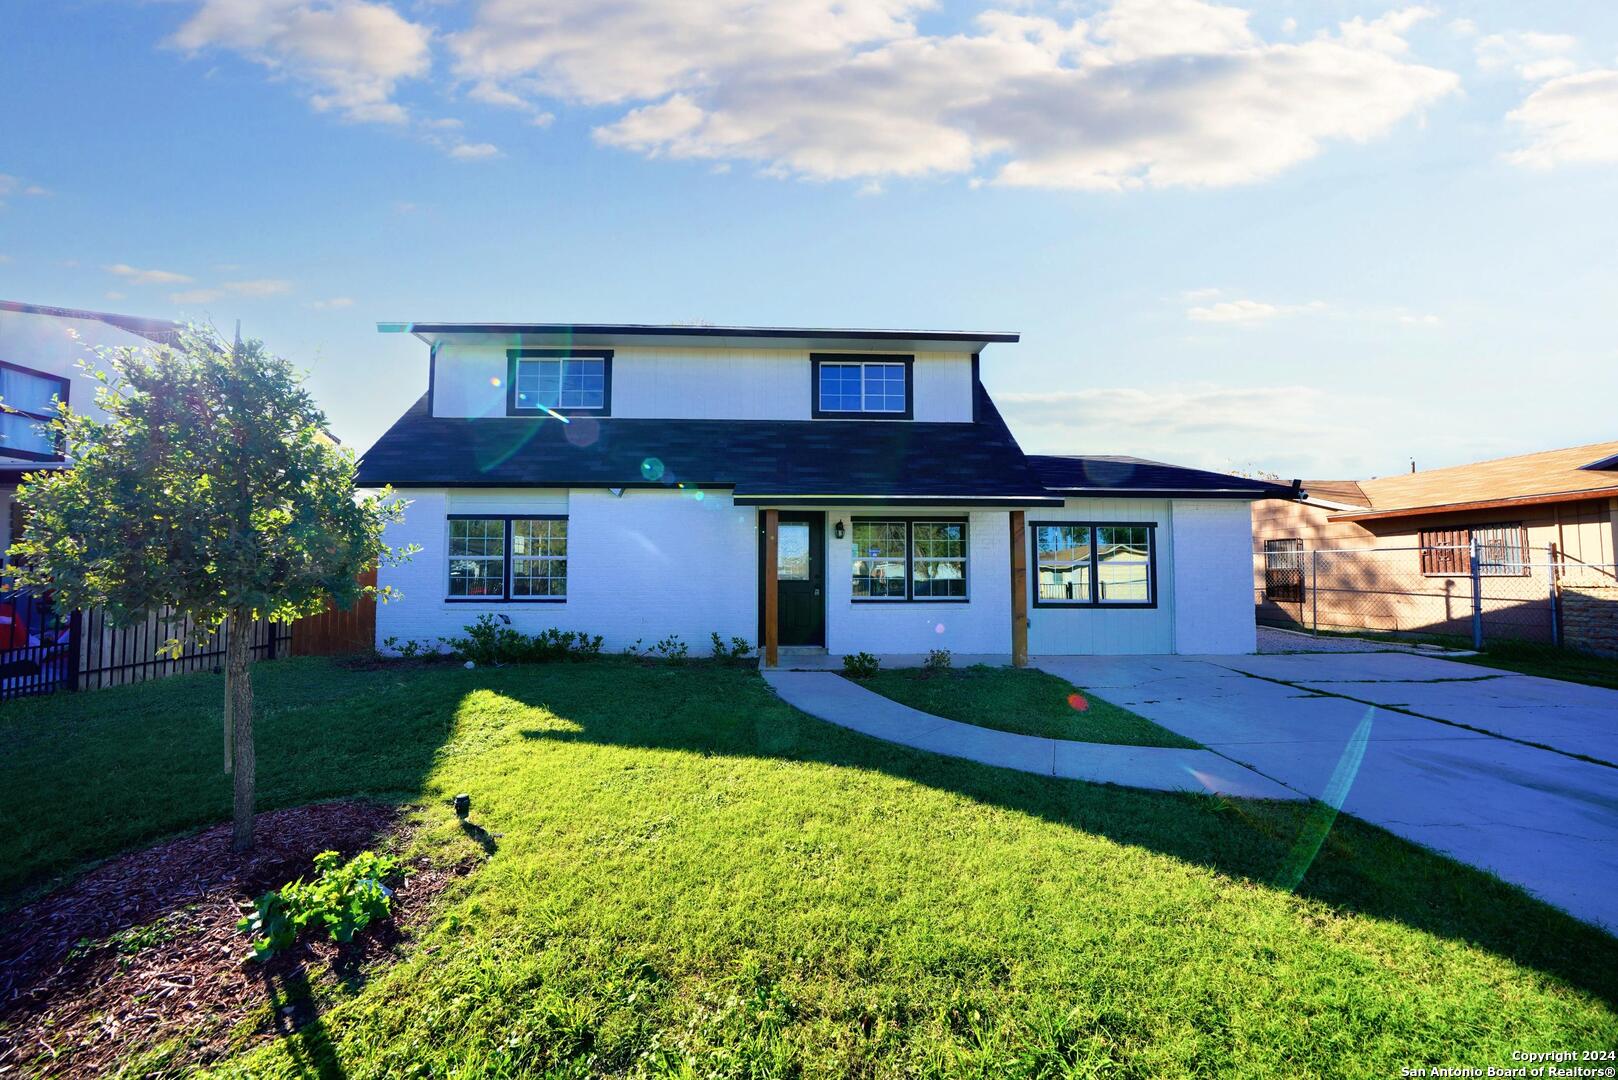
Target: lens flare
{"points": [[494, 380], [938, 629], [1077, 701], [652, 469]]}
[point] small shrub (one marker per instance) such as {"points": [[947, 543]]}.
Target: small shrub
{"points": [[860, 665], [729, 654], [636, 648], [672, 649], [342, 899], [938, 662], [410, 650], [488, 641]]}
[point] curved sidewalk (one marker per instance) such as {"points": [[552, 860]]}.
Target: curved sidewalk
{"points": [[837, 700]]}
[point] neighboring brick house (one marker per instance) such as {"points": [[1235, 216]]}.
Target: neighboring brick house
{"points": [[1525, 513]]}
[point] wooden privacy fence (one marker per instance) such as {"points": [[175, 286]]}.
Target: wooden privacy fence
{"points": [[336, 632]]}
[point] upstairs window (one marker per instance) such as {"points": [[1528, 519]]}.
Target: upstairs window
{"points": [[850, 386], [27, 406], [566, 381]]}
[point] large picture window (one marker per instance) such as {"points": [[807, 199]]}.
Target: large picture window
{"points": [[542, 381], [1085, 564], [27, 406], [875, 386], [909, 559], [500, 558]]}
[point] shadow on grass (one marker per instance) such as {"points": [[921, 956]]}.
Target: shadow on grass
{"points": [[297, 1022], [1356, 867]]}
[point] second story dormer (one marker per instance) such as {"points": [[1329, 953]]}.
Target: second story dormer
{"points": [[486, 370]]}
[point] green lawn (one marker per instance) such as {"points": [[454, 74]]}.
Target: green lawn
{"points": [[1022, 700], [692, 878]]}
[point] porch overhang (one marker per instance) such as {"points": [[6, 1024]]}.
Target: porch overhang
{"points": [[906, 501]]}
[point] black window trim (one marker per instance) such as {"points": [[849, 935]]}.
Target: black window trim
{"points": [[1095, 572], [816, 359], [514, 355], [909, 523], [65, 383], [505, 596]]}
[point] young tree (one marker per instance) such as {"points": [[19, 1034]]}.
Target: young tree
{"points": [[212, 489]]}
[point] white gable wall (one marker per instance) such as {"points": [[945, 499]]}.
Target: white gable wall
{"points": [[712, 383], [1058, 631]]}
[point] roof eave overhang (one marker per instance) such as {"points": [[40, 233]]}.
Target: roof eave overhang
{"points": [[607, 335], [1249, 494], [876, 501], [1480, 504]]}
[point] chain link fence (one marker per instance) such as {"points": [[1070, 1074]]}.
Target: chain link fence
{"points": [[1464, 595]]}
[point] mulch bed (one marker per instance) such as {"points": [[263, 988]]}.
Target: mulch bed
{"points": [[73, 1002]]}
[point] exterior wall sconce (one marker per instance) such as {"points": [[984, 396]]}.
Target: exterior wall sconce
{"points": [[837, 530]]}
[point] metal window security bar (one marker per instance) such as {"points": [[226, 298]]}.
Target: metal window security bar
{"points": [[1490, 590]]}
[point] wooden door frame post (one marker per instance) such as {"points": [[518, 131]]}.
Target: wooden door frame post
{"points": [[1019, 590], [772, 629]]}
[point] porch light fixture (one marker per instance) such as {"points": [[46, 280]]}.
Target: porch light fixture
{"points": [[837, 530], [617, 493]]}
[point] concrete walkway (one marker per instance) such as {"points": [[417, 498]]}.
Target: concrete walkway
{"points": [[837, 700]]}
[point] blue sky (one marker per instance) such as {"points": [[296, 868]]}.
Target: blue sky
{"points": [[1313, 239]]}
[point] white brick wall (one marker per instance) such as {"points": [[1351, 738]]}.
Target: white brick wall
{"points": [[1213, 577], [642, 566], [981, 625], [655, 562], [715, 383]]}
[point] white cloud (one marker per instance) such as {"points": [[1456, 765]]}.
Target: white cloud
{"points": [[1145, 93], [1532, 55], [197, 296], [473, 151], [256, 288], [1200, 294], [336, 303], [1572, 118], [348, 55], [137, 276], [1420, 320], [1248, 311], [114, 294]]}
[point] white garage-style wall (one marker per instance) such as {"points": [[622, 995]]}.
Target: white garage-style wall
{"points": [[1056, 631], [1213, 543]]}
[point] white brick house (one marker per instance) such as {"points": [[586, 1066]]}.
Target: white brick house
{"points": [[845, 490]]}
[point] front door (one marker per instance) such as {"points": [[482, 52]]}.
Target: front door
{"points": [[801, 578]]}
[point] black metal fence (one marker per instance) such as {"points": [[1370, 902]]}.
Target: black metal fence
{"points": [[43, 650]]}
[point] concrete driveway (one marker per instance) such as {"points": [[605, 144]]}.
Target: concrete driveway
{"points": [[1339, 726]]}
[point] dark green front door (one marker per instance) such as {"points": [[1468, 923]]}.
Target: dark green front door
{"points": [[801, 578]]}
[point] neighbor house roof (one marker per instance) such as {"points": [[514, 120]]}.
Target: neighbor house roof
{"points": [[1112, 474], [775, 461], [161, 331], [1343, 492], [629, 334], [1551, 476]]}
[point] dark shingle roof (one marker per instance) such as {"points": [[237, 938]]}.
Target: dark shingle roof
{"points": [[758, 458], [1104, 474]]}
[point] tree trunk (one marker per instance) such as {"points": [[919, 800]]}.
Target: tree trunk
{"points": [[239, 683]]}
